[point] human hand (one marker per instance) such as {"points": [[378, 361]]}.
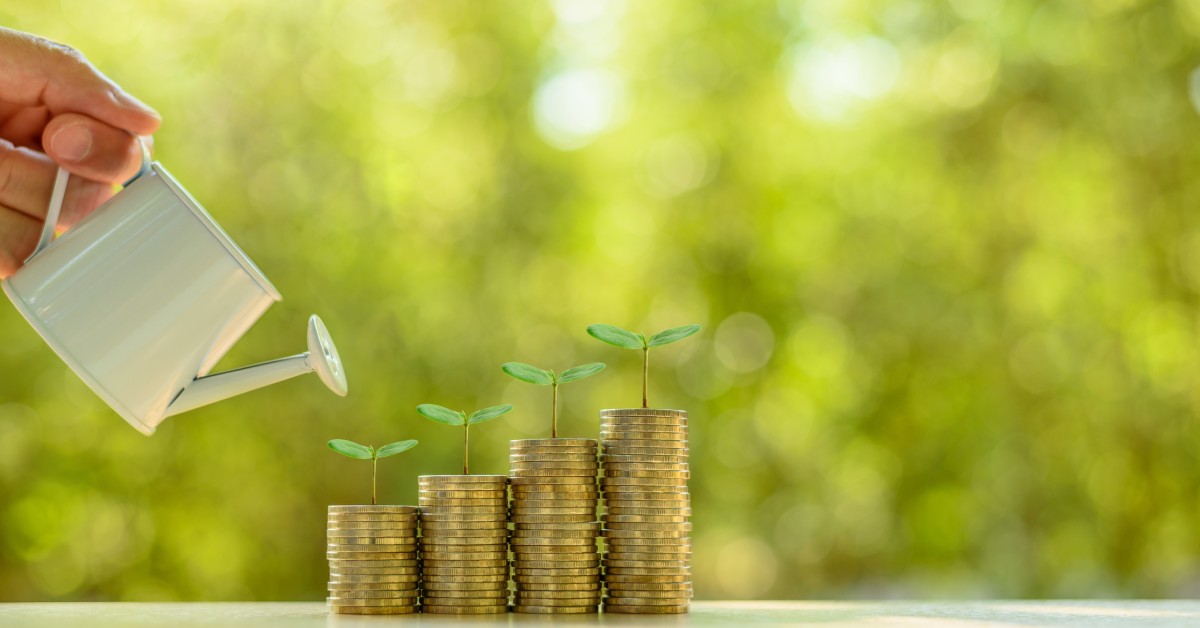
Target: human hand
{"points": [[56, 109]]}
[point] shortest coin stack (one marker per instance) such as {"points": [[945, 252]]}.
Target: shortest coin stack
{"points": [[373, 567], [464, 543], [556, 564], [644, 475]]}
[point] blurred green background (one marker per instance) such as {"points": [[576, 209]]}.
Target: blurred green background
{"points": [[947, 256]]}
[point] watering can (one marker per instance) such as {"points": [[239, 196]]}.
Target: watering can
{"points": [[144, 296]]}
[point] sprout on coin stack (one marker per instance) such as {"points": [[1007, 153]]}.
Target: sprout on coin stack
{"points": [[556, 562], [644, 473], [464, 530], [372, 550]]}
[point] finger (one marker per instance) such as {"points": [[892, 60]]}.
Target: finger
{"points": [[18, 235], [35, 71], [26, 178], [24, 126], [92, 149]]}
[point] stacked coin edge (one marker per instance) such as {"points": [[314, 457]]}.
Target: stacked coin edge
{"points": [[373, 565], [464, 543]]}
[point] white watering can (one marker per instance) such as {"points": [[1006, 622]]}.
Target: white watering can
{"points": [[144, 296]]}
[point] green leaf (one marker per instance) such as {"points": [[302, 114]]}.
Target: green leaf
{"points": [[350, 448], [392, 449], [528, 373], [616, 336], [672, 335], [580, 372], [487, 414], [437, 413]]}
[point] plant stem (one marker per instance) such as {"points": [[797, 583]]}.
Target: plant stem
{"points": [[645, 377], [554, 415], [466, 440], [374, 466]]}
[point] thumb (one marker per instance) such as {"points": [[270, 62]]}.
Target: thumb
{"points": [[36, 72]]}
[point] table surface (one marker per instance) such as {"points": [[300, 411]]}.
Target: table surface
{"points": [[824, 614]]}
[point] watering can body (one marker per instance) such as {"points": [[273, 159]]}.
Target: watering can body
{"points": [[144, 296]]}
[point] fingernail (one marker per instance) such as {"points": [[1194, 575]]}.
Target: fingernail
{"points": [[130, 101], [72, 143]]}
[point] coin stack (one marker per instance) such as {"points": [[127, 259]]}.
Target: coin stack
{"points": [[556, 564], [373, 568], [644, 474], [464, 543]]}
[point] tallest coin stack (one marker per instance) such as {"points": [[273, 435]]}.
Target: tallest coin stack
{"points": [[644, 474]]}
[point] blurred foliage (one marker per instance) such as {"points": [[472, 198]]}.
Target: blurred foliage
{"points": [[946, 254]]}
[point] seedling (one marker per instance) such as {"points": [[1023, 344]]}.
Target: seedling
{"points": [[542, 377], [367, 452], [455, 417], [618, 337]]}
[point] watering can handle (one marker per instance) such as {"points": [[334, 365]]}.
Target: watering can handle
{"points": [[60, 192]]}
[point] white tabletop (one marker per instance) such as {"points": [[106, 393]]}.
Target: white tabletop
{"points": [[822, 614]]}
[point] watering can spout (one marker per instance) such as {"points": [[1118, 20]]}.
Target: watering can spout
{"points": [[321, 357]]}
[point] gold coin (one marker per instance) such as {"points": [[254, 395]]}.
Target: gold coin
{"points": [[337, 554], [388, 541], [464, 610], [456, 517], [676, 483], [495, 500], [555, 580], [521, 511], [381, 509], [556, 534], [551, 569], [650, 473], [628, 519], [489, 533], [459, 494], [369, 566], [369, 519], [554, 451], [650, 534], [560, 518], [648, 578], [561, 541], [562, 594], [407, 548], [651, 564], [550, 527], [468, 598], [459, 559], [625, 434], [552, 442], [663, 412], [553, 464], [608, 460], [621, 594], [554, 504], [496, 512], [645, 610], [542, 500], [457, 526], [633, 540], [341, 530], [411, 576], [593, 585], [588, 598], [460, 572], [465, 585], [555, 561], [410, 597], [342, 524], [651, 527], [641, 425], [650, 586], [569, 479], [555, 610], [551, 459], [368, 590], [460, 479], [641, 465], [527, 472], [649, 507], [646, 571], [375, 610], [642, 448], [647, 601], [587, 485], [559, 554], [679, 555]]}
